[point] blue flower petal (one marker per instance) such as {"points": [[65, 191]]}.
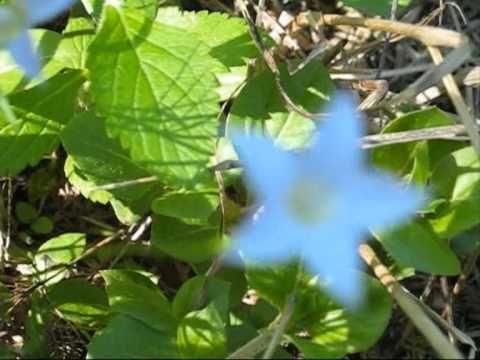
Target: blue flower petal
{"points": [[40, 11], [268, 239], [380, 201], [334, 259], [269, 170], [22, 52], [337, 145]]}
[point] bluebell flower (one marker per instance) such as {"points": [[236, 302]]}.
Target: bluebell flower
{"points": [[15, 20], [317, 205]]}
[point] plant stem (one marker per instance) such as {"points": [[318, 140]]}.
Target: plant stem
{"points": [[410, 305], [253, 347]]}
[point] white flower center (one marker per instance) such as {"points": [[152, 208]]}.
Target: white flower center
{"points": [[311, 201]]}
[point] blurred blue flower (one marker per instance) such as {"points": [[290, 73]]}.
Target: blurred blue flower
{"points": [[318, 204], [16, 18]]}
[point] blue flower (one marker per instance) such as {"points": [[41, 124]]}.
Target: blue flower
{"points": [[318, 204], [15, 20]]}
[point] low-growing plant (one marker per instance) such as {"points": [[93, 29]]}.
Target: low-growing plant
{"points": [[171, 119]]}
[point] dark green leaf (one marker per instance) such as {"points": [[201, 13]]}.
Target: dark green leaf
{"points": [[193, 243], [457, 179], [260, 107], [128, 338], [79, 302], [133, 294], [422, 155], [416, 245], [40, 119]]}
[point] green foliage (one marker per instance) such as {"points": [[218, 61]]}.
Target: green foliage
{"points": [[163, 110], [417, 245], [79, 302], [40, 119], [129, 113], [375, 7]]}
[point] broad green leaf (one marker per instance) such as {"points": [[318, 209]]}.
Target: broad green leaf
{"points": [[336, 330], [201, 335], [187, 242], [40, 119], [62, 249], [128, 338], [59, 250], [273, 284], [149, 7], [198, 203], [457, 179], [260, 107], [353, 331], [58, 52], [422, 155], [12, 78], [417, 246], [375, 7], [311, 350], [77, 36], [228, 38], [198, 292], [79, 302], [43, 225], [188, 296], [83, 185], [101, 159], [25, 212], [36, 328], [186, 204], [133, 294], [155, 85]]}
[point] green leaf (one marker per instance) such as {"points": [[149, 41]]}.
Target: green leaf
{"points": [[12, 78], [273, 283], [79, 302], [133, 294], [41, 117], [100, 159], [128, 338], [25, 212], [198, 203], [64, 248], [457, 179], [155, 86], [375, 7], [228, 38], [186, 204], [42, 225], [187, 242], [260, 107], [201, 335], [57, 251], [58, 52], [77, 36], [198, 291], [353, 331], [423, 155], [83, 185], [335, 330], [416, 245], [311, 350], [149, 7], [36, 328]]}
